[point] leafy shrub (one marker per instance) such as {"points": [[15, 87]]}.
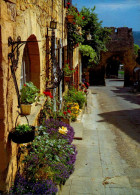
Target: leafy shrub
{"points": [[76, 97]]}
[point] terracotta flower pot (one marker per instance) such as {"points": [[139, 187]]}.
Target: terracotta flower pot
{"points": [[65, 120], [67, 79], [70, 18]]}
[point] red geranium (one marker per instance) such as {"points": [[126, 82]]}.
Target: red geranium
{"points": [[69, 111], [25, 85], [68, 3], [48, 93], [87, 83], [83, 17], [64, 113]]}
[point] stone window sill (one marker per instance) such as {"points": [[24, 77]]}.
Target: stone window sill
{"points": [[33, 117]]}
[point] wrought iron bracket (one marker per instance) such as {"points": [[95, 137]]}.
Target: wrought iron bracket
{"points": [[14, 57]]}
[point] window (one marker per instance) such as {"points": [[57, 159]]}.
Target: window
{"points": [[25, 68]]}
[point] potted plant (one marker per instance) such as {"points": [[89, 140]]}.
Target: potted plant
{"points": [[29, 94], [23, 133], [68, 72], [70, 14], [63, 116]]}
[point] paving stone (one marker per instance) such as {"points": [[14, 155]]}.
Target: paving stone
{"points": [[99, 168]]}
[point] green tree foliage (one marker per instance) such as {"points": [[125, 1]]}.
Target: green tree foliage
{"points": [[99, 35], [136, 48], [87, 50]]}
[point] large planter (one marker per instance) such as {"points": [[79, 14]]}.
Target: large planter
{"points": [[65, 120], [25, 137], [70, 18]]}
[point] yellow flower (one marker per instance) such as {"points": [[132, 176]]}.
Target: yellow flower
{"points": [[63, 130]]}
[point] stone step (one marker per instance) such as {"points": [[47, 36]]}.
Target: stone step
{"points": [[78, 129]]}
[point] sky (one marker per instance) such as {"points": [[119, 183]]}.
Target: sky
{"points": [[114, 13]]}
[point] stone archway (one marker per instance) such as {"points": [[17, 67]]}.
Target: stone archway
{"points": [[31, 58], [112, 67], [120, 47]]}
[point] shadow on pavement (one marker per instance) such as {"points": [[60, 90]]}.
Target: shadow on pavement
{"points": [[127, 121], [124, 92]]}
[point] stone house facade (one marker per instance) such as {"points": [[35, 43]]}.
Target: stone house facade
{"points": [[29, 19]]}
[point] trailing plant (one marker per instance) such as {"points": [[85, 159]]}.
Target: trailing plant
{"points": [[87, 50]]}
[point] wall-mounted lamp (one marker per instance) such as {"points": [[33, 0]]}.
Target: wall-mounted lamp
{"points": [[53, 24]]}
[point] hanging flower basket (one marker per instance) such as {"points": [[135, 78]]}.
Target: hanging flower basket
{"points": [[70, 18], [20, 134]]}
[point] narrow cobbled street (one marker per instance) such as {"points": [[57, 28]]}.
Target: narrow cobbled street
{"points": [[108, 160]]}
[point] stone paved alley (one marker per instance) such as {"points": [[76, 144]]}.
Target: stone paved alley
{"points": [[108, 161]]}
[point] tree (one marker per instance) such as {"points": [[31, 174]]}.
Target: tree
{"points": [[136, 48], [99, 35]]}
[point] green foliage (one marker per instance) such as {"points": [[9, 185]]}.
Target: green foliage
{"points": [[45, 154], [87, 50], [23, 128], [67, 70], [136, 48], [99, 35], [75, 96], [74, 35], [29, 93]]}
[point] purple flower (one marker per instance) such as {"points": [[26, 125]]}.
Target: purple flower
{"points": [[52, 127], [25, 186]]}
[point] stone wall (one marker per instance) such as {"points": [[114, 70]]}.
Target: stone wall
{"points": [[120, 47], [29, 20], [121, 39]]}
